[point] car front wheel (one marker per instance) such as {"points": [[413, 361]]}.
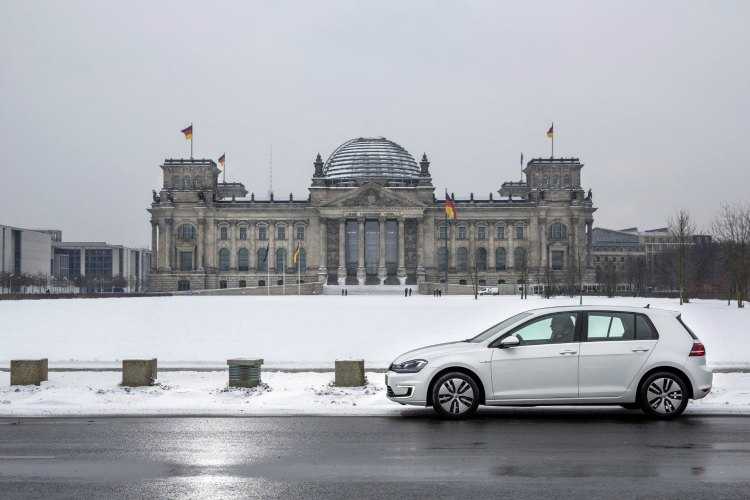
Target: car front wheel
{"points": [[663, 395], [455, 395]]}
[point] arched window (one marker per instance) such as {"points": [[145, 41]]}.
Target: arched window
{"points": [[500, 259], [302, 261], [481, 259], [187, 182], [281, 260], [519, 258], [186, 232], [243, 259], [262, 259], [224, 259], [223, 233], [558, 231], [442, 259], [462, 260]]}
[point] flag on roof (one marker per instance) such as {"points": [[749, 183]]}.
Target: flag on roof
{"points": [[450, 207], [222, 159], [551, 131], [188, 132]]}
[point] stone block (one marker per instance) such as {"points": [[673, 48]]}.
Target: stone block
{"points": [[138, 372], [28, 371], [244, 372], [350, 373]]}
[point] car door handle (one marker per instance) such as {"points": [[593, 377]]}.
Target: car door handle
{"points": [[568, 351], [641, 349]]}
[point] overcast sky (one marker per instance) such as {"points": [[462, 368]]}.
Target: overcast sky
{"points": [[652, 96]]}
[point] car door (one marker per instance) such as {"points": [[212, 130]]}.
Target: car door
{"points": [[544, 365], [614, 347]]}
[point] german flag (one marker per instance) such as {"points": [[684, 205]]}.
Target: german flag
{"points": [[222, 159], [188, 132], [295, 255], [551, 131], [450, 207]]}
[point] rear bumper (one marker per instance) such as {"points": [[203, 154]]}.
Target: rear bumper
{"points": [[702, 380]]}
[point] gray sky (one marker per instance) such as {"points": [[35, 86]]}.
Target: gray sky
{"points": [[652, 96]]}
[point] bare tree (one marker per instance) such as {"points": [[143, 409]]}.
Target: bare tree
{"points": [[681, 227], [732, 229]]}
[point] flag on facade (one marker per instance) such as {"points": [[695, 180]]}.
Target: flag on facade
{"points": [[264, 254], [222, 159], [450, 207], [188, 132], [295, 255], [551, 131]]}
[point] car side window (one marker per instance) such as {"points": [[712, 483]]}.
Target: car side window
{"points": [[554, 329], [610, 326], [644, 330]]}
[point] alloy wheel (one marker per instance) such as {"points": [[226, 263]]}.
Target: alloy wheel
{"points": [[664, 395], [455, 396]]}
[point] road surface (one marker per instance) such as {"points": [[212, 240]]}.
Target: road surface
{"points": [[513, 453]]}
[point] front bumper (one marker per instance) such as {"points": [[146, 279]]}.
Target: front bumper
{"points": [[406, 388]]}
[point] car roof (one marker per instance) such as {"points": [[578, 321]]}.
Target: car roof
{"points": [[603, 307]]}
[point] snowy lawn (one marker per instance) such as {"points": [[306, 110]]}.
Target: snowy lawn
{"points": [[205, 393], [292, 331]]}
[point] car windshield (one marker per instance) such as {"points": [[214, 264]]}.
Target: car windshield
{"points": [[500, 326]]}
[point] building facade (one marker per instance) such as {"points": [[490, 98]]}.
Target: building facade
{"points": [[104, 267], [24, 251], [371, 218]]}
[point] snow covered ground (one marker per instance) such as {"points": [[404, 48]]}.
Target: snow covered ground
{"points": [[292, 331], [205, 393]]}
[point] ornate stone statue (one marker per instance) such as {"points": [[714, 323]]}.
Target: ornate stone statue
{"points": [[156, 197], [589, 195]]}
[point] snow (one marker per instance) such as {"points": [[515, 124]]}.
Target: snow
{"points": [[282, 393], [298, 331]]}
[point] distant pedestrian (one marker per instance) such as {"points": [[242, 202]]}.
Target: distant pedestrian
{"points": [[409, 291], [406, 292]]}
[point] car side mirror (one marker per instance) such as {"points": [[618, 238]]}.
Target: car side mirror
{"points": [[510, 341]]}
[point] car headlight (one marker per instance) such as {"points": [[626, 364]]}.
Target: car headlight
{"points": [[411, 366]]}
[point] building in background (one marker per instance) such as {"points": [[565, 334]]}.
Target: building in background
{"points": [[23, 252], [101, 267], [371, 218]]}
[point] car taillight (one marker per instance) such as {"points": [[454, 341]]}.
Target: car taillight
{"points": [[698, 349]]}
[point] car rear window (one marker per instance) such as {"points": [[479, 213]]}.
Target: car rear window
{"points": [[687, 328], [644, 330]]}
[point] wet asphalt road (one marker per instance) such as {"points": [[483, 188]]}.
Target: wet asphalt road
{"points": [[514, 453]]}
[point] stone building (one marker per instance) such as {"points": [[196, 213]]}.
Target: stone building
{"points": [[372, 217]]}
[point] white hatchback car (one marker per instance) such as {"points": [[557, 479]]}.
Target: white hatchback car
{"points": [[583, 355]]}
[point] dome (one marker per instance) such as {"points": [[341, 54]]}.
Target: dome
{"points": [[371, 158]]}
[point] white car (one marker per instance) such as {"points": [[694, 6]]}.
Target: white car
{"points": [[585, 355]]}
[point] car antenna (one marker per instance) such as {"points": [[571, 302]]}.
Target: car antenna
{"points": [[648, 306]]}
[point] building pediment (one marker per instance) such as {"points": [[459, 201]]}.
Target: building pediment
{"points": [[373, 195]]}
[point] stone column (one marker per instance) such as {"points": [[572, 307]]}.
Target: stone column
{"points": [[272, 247], [210, 256], [342, 252], [510, 251], [381, 254], [543, 239], [491, 229], [361, 251], [589, 229], [323, 249], [420, 251], [169, 250], [233, 229], [82, 264], [154, 245], [200, 236], [252, 233], [401, 262], [452, 230]]}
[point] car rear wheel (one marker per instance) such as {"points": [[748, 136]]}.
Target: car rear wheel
{"points": [[455, 395], [663, 395]]}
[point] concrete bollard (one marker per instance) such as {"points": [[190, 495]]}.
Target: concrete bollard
{"points": [[28, 371], [138, 372], [350, 373], [244, 372]]}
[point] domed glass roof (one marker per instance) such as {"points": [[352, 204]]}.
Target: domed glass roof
{"points": [[368, 158]]}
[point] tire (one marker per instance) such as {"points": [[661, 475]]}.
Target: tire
{"points": [[455, 395], [663, 395]]}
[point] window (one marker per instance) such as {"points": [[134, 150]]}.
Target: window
{"points": [[243, 283], [557, 259], [500, 232], [442, 259], [186, 261], [481, 232], [280, 260], [644, 330], [243, 259], [481, 260], [187, 182], [262, 259], [300, 233], [553, 329], [610, 326], [443, 232], [462, 260], [558, 232], [243, 233], [222, 284], [519, 258], [224, 233], [519, 232], [224, 259], [263, 232], [461, 232], [183, 285], [461, 282], [186, 232], [500, 259], [261, 282], [500, 326], [280, 232]]}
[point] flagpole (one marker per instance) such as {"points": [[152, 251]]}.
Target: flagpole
{"points": [[283, 277], [268, 271], [224, 170], [299, 272], [447, 235], [553, 140], [192, 131]]}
